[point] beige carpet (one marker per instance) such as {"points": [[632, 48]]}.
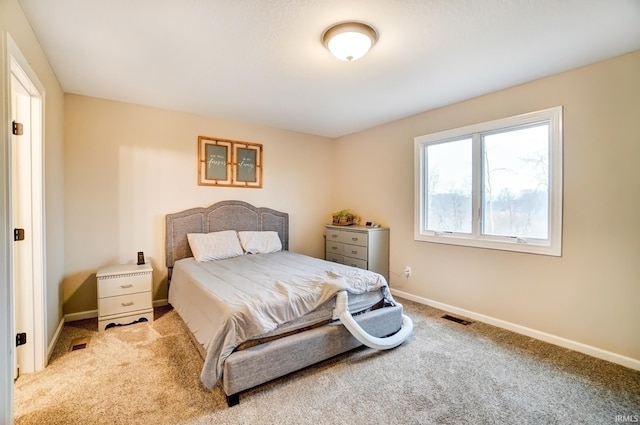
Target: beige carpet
{"points": [[446, 373]]}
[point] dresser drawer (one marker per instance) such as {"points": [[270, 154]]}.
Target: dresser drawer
{"points": [[335, 247], [332, 235], [354, 262], [355, 251], [336, 258], [124, 303], [353, 238]]}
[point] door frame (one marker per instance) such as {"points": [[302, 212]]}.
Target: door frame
{"points": [[30, 265], [34, 308], [12, 61], [7, 344]]}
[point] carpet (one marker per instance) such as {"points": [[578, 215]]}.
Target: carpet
{"points": [[446, 373]]}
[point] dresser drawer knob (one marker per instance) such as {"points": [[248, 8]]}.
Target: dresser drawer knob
{"points": [[129, 304], [126, 286], [354, 252], [355, 239], [335, 248], [334, 236]]}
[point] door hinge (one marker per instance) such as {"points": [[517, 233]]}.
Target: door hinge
{"points": [[18, 234], [21, 339], [17, 128]]}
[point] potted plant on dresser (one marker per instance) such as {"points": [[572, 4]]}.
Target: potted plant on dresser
{"points": [[344, 218]]}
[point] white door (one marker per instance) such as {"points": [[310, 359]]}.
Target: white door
{"points": [[27, 274], [21, 219]]}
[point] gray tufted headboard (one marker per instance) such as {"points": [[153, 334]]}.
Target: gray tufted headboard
{"points": [[224, 215]]}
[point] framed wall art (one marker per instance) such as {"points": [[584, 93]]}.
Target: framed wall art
{"points": [[229, 163]]}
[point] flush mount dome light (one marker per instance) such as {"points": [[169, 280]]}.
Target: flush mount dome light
{"points": [[349, 41]]}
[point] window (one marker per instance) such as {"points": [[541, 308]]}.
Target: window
{"points": [[493, 185]]}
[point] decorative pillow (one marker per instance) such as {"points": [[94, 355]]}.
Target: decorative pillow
{"points": [[260, 242], [215, 245]]}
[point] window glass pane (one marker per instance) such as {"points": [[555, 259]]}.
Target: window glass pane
{"points": [[449, 185], [516, 182]]}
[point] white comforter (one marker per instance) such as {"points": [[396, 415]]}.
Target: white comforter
{"points": [[227, 302]]}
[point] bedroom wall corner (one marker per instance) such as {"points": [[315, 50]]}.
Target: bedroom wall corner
{"points": [[589, 295], [127, 166], [14, 23]]}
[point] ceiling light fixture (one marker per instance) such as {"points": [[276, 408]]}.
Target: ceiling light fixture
{"points": [[349, 41]]}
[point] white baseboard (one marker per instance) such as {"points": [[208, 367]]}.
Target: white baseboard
{"points": [[54, 340], [72, 317], [160, 303], [543, 336]]}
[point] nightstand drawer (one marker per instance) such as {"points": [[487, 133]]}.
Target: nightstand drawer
{"points": [[124, 284], [355, 251], [124, 304], [354, 238]]}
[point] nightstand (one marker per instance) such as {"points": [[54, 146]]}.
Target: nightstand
{"points": [[124, 294]]}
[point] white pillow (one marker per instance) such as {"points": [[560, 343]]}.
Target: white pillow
{"points": [[215, 245], [260, 242]]}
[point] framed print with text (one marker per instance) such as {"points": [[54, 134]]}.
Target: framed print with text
{"points": [[229, 163], [214, 162], [247, 169]]}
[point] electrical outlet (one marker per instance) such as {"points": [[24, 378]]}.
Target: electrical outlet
{"points": [[407, 271]]}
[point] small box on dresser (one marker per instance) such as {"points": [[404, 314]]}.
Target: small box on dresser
{"points": [[359, 246], [124, 294]]}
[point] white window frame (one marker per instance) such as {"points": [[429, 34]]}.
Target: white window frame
{"points": [[550, 246]]}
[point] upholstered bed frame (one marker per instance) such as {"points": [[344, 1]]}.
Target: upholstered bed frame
{"points": [[261, 363]]}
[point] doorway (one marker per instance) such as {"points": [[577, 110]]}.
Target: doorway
{"points": [[27, 213]]}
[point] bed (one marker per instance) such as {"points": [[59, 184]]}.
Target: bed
{"points": [[260, 314]]}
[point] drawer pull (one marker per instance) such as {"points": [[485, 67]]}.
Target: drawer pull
{"points": [[355, 239], [129, 304], [334, 236], [126, 286], [334, 260], [335, 248], [354, 252]]}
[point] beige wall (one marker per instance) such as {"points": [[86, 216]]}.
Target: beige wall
{"points": [[128, 166], [13, 21], [590, 295]]}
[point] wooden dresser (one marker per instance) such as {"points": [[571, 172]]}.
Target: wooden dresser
{"points": [[359, 246]]}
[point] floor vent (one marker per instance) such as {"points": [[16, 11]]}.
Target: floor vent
{"points": [[457, 319], [79, 344]]}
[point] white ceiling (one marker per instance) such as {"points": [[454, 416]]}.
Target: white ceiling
{"points": [[263, 61]]}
